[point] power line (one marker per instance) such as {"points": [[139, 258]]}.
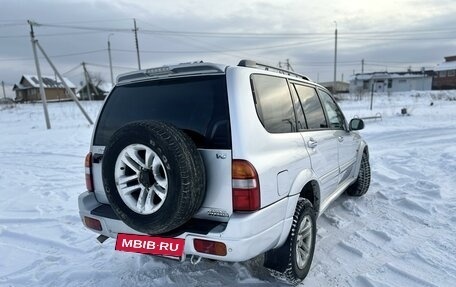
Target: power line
{"points": [[107, 66], [395, 38], [187, 33], [193, 37], [13, 36], [71, 70], [104, 29], [190, 40], [411, 31], [340, 36], [55, 56], [397, 35], [7, 25], [64, 24], [247, 34], [395, 62], [91, 21], [80, 53], [233, 35], [284, 35], [224, 50], [385, 64], [52, 34]]}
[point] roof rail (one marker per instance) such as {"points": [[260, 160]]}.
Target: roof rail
{"points": [[256, 65], [184, 68]]}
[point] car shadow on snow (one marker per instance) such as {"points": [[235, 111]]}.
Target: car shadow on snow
{"points": [[155, 271]]}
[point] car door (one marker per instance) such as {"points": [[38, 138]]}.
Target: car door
{"points": [[319, 139], [347, 141]]}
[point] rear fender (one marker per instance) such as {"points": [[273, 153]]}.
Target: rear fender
{"points": [[301, 180]]}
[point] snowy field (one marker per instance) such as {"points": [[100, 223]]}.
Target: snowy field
{"points": [[401, 233]]}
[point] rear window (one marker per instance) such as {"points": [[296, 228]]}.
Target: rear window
{"points": [[197, 105]]}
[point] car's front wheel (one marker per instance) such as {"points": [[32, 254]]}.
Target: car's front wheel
{"points": [[361, 185]]}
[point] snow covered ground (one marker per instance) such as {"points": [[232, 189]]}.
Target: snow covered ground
{"points": [[401, 233]]}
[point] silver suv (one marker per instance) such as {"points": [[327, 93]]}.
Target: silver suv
{"points": [[221, 162]]}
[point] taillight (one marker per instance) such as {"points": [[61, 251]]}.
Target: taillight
{"points": [[246, 186], [88, 172]]}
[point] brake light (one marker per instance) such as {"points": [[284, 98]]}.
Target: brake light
{"points": [[246, 186], [88, 172], [210, 247]]}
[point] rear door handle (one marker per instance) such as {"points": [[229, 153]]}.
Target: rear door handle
{"points": [[312, 143]]}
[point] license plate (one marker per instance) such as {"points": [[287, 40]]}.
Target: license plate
{"points": [[150, 244]]}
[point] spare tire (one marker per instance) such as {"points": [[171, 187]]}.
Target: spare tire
{"points": [[154, 176]]}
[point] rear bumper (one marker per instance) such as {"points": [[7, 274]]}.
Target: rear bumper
{"points": [[245, 235]]}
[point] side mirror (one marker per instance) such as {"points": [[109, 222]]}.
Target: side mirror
{"points": [[356, 124]]}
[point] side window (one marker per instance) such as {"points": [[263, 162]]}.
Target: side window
{"points": [[335, 116], [300, 119], [313, 111], [273, 103]]}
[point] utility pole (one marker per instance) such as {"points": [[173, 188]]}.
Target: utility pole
{"points": [[38, 71], [335, 59], [110, 60], [289, 68], [3, 87], [362, 66], [65, 85], [286, 64], [372, 94], [69, 91], [136, 41], [423, 71], [87, 80]]}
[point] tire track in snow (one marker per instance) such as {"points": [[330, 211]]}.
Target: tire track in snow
{"points": [[406, 277], [34, 242]]}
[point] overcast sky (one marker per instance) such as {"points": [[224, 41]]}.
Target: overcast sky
{"points": [[388, 35]]}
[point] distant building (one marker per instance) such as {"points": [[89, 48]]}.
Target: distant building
{"points": [[392, 82], [97, 92], [341, 87], [28, 89], [445, 75]]}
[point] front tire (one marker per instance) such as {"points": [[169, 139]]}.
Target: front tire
{"points": [[294, 258], [361, 185]]}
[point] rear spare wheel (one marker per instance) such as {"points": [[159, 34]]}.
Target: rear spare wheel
{"points": [[154, 176]]}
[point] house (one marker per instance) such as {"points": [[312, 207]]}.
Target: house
{"points": [[445, 75], [392, 82], [341, 87], [28, 89], [97, 92]]}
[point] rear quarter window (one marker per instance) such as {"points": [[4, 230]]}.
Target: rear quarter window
{"points": [[273, 103]]}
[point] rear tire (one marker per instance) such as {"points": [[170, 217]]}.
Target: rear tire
{"points": [[154, 176], [361, 185], [294, 258]]}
